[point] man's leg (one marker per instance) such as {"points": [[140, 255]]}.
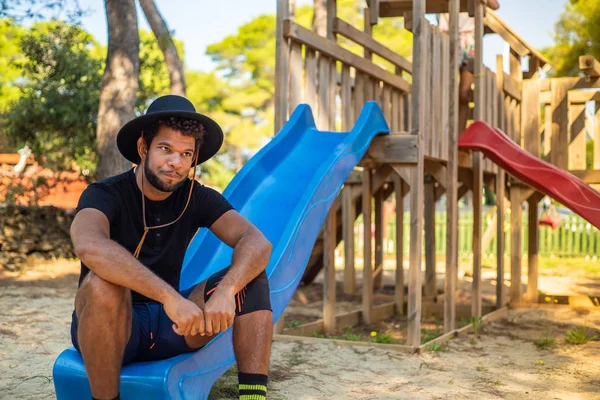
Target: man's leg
{"points": [[104, 326], [466, 81]]}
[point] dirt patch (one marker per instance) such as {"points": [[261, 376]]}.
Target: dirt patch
{"points": [[504, 362]]}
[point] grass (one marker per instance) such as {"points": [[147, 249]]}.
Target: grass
{"points": [[545, 343], [579, 336], [477, 324], [347, 335], [428, 335], [294, 323], [383, 338], [437, 347]]}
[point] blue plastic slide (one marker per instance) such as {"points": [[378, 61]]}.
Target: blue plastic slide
{"points": [[286, 190]]}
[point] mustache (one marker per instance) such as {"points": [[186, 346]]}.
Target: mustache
{"points": [[170, 172]]}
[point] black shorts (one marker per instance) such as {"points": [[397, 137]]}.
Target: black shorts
{"points": [[152, 336]]}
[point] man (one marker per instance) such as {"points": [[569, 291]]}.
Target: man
{"points": [[466, 35], [131, 232]]}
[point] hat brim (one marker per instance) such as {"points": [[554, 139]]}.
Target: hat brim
{"points": [[130, 133]]}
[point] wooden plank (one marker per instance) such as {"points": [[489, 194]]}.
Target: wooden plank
{"points": [[282, 64], [295, 76], [547, 129], [386, 106], [383, 311], [330, 49], [429, 214], [419, 109], [532, 251], [346, 95], [367, 292], [512, 88], [436, 84], [597, 137], [347, 343], [333, 90], [359, 94], [394, 148], [589, 65], [324, 95], [515, 244], [560, 120], [329, 238], [515, 41], [310, 82], [530, 111], [500, 215], [445, 97], [399, 192], [578, 139], [478, 163], [378, 267], [451, 274], [348, 217], [589, 176], [396, 8], [373, 46], [396, 98]]}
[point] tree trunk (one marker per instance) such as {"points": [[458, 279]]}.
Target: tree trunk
{"points": [[166, 44], [119, 86], [319, 22]]}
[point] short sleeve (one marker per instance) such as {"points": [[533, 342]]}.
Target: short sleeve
{"points": [[98, 196], [210, 206]]}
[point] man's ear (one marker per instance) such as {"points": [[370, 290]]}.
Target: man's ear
{"points": [[141, 147]]}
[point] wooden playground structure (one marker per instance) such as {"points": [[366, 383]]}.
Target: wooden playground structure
{"points": [[421, 159]]}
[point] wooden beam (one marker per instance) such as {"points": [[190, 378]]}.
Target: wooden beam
{"points": [[345, 29], [367, 295], [282, 65], [379, 221], [329, 237], [560, 121], [429, 214], [419, 112], [326, 47], [589, 65], [589, 176], [515, 41], [500, 215], [399, 192], [437, 171], [512, 87], [347, 343], [396, 8], [532, 252], [530, 116], [515, 243], [374, 6], [577, 141], [348, 217], [393, 148]]}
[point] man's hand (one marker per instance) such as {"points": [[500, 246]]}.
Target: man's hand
{"points": [[219, 311], [187, 316]]}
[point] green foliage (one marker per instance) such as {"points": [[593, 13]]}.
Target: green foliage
{"points": [[383, 338], [294, 323], [477, 324], [576, 33], [545, 343], [56, 111], [579, 336], [428, 335]]}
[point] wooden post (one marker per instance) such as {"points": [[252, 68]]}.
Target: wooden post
{"points": [[367, 289], [282, 65], [429, 214], [452, 171], [329, 242], [500, 182], [597, 137], [560, 121], [515, 244], [577, 146], [348, 217], [399, 287], [419, 109], [532, 251], [530, 128], [378, 279], [478, 162]]}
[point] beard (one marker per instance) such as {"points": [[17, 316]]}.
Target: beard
{"points": [[156, 182]]}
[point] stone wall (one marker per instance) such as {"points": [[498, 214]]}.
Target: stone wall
{"points": [[33, 234]]}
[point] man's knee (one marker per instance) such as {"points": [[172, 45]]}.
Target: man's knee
{"points": [[105, 296]]}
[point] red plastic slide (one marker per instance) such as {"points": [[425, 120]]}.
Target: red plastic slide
{"points": [[543, 176]]}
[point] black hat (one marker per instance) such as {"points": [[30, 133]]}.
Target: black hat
{"points": [[163, 107]]}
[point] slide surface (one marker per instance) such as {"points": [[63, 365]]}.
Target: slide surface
{"points": [[286, 189], [541, 175]]}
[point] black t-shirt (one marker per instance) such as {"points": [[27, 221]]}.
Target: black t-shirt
{"points": [[163, 251]]}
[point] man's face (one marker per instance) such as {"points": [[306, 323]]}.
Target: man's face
{"points": [[169, 159]]}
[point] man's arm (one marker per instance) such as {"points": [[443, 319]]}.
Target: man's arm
{"points": [[90, 233], [251, 250]]}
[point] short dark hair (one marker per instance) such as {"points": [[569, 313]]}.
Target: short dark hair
{"points": [[187, 127]]}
